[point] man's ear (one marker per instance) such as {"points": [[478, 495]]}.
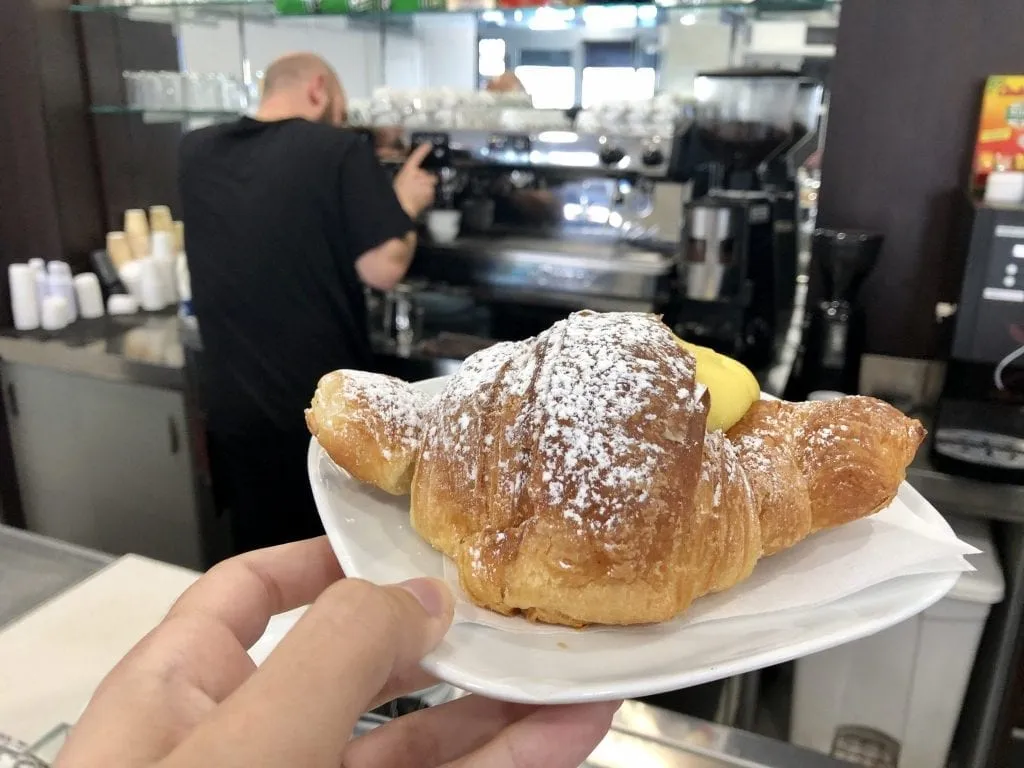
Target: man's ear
{"points": [[317, 90]]}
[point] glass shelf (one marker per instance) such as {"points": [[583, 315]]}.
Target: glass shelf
{"points": [[175, 10], [169, 115]]}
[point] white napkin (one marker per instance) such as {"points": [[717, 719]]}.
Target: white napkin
{"points": [[906, 538]]}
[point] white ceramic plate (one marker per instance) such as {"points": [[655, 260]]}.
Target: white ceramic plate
{"points": [[370, 533]]}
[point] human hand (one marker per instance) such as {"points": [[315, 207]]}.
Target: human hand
{"points": [[415, 186], [189, 695]]}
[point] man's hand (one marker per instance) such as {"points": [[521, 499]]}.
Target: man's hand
{"points": [[189, 695], [414, 186]]}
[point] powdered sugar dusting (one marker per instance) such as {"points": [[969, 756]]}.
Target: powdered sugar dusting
{"points": [[587, 395], [393, 405], [590, 388], [458, 404]]}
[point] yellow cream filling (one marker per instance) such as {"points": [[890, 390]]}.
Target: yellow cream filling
{"points": [[732, 386]]}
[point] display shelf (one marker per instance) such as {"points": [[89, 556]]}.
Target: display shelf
{"points": [[169, 115], [174, 10]]}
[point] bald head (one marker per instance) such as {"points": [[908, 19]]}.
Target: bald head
{"points": [[302, 85], [506, 82]]}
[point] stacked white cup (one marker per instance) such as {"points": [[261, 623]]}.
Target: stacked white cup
{"points": [[88, 295], [24, 301], [162, 250]]}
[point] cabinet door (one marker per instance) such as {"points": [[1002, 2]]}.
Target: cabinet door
{"points": [[45, 429], [104, 464]]}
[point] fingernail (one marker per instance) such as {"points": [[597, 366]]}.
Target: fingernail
{"points": [[428, 593]]}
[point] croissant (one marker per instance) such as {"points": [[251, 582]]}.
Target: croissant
{"points": [[571, 479]]}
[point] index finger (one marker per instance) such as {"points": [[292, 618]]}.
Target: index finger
{"points": [[418, 155], [244, 592]]}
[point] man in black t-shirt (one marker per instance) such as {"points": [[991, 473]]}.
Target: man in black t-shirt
{"points": [[287, 217]]}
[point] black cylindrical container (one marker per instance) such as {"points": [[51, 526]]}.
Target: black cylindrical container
{"points": [[834, 329]]}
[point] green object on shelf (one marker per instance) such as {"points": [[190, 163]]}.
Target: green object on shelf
{"points": [[326, 7], [413, 6]]}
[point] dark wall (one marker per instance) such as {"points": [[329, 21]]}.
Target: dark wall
{"points": [[28, 198], [137, 162], [906, 90]]}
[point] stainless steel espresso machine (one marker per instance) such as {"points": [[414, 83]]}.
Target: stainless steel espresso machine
{"points": [[550, 221], [546, 213], [752, 131]]}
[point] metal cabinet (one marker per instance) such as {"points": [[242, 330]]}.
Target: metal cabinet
{"points": [[103, 464]]}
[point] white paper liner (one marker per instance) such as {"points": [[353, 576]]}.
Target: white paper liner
{"points": [[824, 568]]}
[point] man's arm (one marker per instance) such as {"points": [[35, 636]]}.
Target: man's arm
{"points": [[384, 267]]}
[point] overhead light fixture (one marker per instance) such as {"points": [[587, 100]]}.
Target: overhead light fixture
{"points": [[688, 19]]}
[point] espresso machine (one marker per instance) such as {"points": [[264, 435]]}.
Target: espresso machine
{"points": [[752, 131], [979, 424], [551, 220]]}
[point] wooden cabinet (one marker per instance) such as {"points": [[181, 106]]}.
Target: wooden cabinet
{"points": [[103, 464]]}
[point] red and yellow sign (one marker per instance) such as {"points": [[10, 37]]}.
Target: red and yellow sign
{"points": [[1000, 144]]}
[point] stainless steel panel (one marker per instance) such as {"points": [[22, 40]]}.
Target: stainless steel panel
{"points": [[34, 568], [643, 735], [547, 266]]}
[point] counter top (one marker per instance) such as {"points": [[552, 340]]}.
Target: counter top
{"points": [[54, 657], [34, 568], [147, 349], [963, 495]]}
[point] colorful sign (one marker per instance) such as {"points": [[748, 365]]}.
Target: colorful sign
{"points": [[1000, 144]]}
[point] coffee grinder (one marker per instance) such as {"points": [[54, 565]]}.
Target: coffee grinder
{"points": [[833, 336], [737, 282], [979, 424]]}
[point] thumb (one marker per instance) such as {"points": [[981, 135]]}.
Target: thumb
{"points": [[418, 155], [300, 707]]}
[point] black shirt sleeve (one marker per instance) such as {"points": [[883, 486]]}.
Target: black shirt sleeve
{"points": [[371, 212]]}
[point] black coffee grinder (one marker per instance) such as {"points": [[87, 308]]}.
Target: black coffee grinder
{"points": [[834, 329], [738, 275]]}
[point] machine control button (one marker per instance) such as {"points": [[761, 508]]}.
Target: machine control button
{"points": [[653, 156], [611, 155], [1011, 269], [1009, 282]]}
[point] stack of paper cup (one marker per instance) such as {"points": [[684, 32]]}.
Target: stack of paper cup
{"points": [[54, 313], [160, 219], [179, 236], [163, 254], [42, 283], [136, 229], [24, 303], [59, 274], [131, 276], [89, 295], [118, 249], [151, 285]]}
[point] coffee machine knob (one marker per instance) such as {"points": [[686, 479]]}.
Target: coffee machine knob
{"points": [[611, 155], [653, 156]]}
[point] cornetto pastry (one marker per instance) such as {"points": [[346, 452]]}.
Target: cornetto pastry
{"points": [[571, 477]]}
